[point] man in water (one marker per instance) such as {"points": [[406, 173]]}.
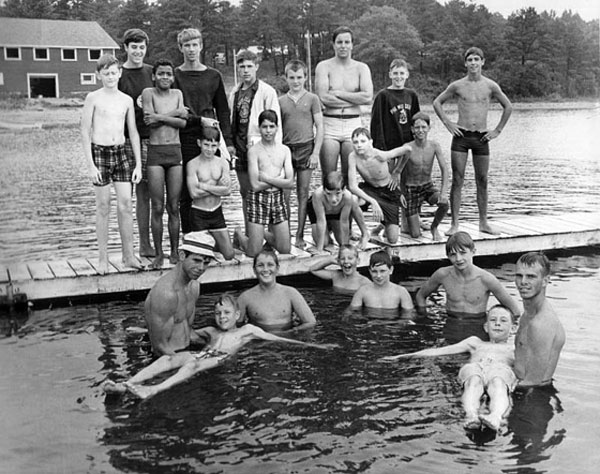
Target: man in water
{"points": [[473, 93]]}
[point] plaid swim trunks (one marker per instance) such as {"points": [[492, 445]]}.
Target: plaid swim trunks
{"points": [[112, 162], [415, 195], [266, 207], [144, 147]]}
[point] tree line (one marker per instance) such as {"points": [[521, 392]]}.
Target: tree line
{"points": [[530, 54]]}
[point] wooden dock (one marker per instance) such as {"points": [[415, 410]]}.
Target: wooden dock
{"points": [[76, 278]]}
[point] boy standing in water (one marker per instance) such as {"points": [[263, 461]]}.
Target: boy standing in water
{"points": [[164, 156], [208, 181], [302, 124], [489, 370], [223, 342], [105, 113], [346, 279]]}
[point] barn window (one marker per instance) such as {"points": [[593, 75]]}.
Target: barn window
{"points": [[94, 54], [69, 54], [88, 79], [41, 54], [12, 54]]}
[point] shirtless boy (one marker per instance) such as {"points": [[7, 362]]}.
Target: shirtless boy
{"points": [[106, 111], [223, 342], [467, 286], [473, 94], [380, 188], [331, 208], [417, 177], [343, 85], [171, 303], [381, 293], [346, 279], [540, 336], [270, 305], [208, 180], [270, 172], [489, 370], [164, 156]]}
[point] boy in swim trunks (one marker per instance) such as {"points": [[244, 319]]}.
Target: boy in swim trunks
{"points": [[380, 188], [164, 156], [208, 180], [105, 113], [346, 279], [331, 208], [270, 172], [417, 177], [223, 342], [488, 371], [302, 125]]}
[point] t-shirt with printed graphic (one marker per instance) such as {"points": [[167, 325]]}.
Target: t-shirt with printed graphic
{"points": [[243, 105], [391, 114], [132, 82]]}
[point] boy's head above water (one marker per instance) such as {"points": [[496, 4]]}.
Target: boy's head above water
{"points": [[459, 241], [499, 323], [380, 258], [227, 311]]}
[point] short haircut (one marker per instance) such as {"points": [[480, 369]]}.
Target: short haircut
{"points": [[380, 258], [398, 63], [340, 30], [162, 62], [459, 241], [361, 131], [296, 65], [246, 55], [227, 298], [530, 259], [105, 61], [500, 307], [267, 253], [474, 50], [188, 34], [420, 116], [350, 247], [135, 35], [334, 181], [269, 115], [210, 133]]}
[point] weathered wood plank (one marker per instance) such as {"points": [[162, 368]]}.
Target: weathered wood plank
{"points": [[19, 272], [4, 278], [40, 271], [82, 267], [61, 269]]}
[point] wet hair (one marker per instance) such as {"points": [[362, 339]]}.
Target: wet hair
{"points": [[334, 181], [269, 115], [227, 298], [210, 133], [398, 63], [500, 307], [459, 240], [135, 35], [105, 61], [380, 258], [188, 34], [267, 253], [341, 30], [162, 62], [420, 116], [361, 131], [530, 259], [296, 65], [350, 247], [246, 55], [473, 50]]}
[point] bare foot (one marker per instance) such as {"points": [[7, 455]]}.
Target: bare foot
{"points": [[425, 226], [174, 257], [236, 241], [140, 391], [471, 424], [103, 267], [490, 421], [363, 243], [300, 243], [488, 229], [147, 251], [435, 234], [133, 262], [113, 387], [452, 230], [158, 261]]}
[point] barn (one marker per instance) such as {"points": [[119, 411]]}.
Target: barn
{"points": [[50, 58]]}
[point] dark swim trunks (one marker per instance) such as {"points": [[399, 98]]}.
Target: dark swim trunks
{"points": [[301, 153], [415, 195], [471, 141], [207, 220], [389, 201], [113, 164], [164, 155], [312, 216]]}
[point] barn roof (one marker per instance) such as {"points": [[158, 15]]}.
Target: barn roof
{"points": [[53, 33]]}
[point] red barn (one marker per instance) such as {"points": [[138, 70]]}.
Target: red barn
{"points": [[50, 58]]}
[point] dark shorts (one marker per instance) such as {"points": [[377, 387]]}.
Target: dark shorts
{"points": [[471, 141], [207, 220], [415, 195], [164, 155], [113, 164], [266, 207], [388, 200], [301, 153], [144, 149], [312, 216]]}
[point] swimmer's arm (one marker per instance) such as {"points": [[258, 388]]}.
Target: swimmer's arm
{"points": [[223, 186], [438, 103], [258, 333], [500, 293], [428, 287], [194, 185], [359, 218], [318, 268], [253, 172], [86, 136], [406, 303], [160, 327], [203, 334], [466, 345], [134, 138], [345, 219], [357, 299], [287, 182], [507, 109], [319, 134], [301, 308], [439, 155]]}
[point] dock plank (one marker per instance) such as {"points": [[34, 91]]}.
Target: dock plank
{"points": [[82, 267], [19, 272], [40, 271], [4, 278], [61, 269]]}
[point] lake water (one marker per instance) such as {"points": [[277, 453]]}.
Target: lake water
{"points": [[275, 408]]}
